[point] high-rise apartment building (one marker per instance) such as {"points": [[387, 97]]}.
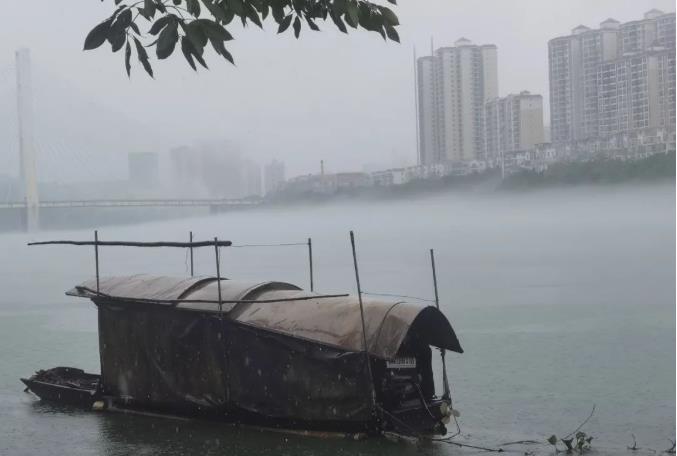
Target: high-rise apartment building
{"points": [[513, 123], [453, 86], [612, 79], [427, 110]]}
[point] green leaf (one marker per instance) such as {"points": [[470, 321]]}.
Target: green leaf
{"points": [[392, 33], [160, 24], [216, 11], [236, 6], [97, 35], [339, 6], [167, 41], [128, 56], [148, 10], [389, 16], [352, 14], [339, 22], [143, 57], [193, 7], [186, 48], [123, 20], [214, 30], [116, 38], [251, 13], [284, 25], [278, 12], [312, 25], [264, 10], [297, 27], [195, 34], [221, 50]]}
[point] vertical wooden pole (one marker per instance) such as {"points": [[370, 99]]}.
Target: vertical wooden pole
{"points": [[364, 328], [192, 271], [310, 263], [218, 271], [445, 380], [96, 257]]}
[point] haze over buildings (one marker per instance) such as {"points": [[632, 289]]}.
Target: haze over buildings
{"points": [[513, 123], [612, 91], [453, 86], [614, 79]]}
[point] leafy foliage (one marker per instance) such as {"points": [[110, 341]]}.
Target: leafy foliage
{"points": [[195, 24]]}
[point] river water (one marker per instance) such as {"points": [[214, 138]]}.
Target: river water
{"points": [[562, 299]]}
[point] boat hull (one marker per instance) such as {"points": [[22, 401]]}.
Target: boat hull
{"points": [[74, 387]]}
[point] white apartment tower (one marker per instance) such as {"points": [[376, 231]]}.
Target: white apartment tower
{"points": [[612, 79], [453, 86], [513, 123], [427, 107]]}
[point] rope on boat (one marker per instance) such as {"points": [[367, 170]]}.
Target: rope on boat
{"points": [[271, 245], [207, 301], [398, 296]]}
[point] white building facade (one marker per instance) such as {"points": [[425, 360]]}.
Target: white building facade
{"points": [[513, 123], [453, 86], [614, 79]]}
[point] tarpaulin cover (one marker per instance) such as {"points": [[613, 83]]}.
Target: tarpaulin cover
{"points": [[332, 321], [298, 360]]}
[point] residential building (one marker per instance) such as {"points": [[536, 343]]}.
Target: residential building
{"points": [[513, 123], [613, 79], [453, 86], [427, 110], [273, 176]]}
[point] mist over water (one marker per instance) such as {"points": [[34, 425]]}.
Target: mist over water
{"points": [[561, 299]]}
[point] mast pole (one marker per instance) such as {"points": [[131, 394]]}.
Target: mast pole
{"points": [[445, 380], [190, 236], [364, 329], [218, 274], [96, 257], [310, 263]]}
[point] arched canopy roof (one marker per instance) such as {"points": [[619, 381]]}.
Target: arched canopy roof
{"points": [[333, 321]]}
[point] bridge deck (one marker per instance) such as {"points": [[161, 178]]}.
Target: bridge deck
{"points": [[207, 202]]}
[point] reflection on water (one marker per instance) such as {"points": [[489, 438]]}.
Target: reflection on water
{"points": [[560, 299]]}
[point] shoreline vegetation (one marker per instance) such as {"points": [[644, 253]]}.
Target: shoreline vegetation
{"points": [[603, 172]]}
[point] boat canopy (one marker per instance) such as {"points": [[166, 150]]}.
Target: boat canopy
{"points": [[284, 308]]}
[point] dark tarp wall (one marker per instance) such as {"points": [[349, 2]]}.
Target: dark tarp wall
{"points": [[157, 356], [188, 361]]}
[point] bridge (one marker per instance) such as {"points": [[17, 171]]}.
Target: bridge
{"points": [[32, 141], [201, 202]]}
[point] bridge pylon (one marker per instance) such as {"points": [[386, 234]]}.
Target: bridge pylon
{"points": [[28, 170]]}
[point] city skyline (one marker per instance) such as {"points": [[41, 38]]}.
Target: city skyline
{"points": [[370, 102]]}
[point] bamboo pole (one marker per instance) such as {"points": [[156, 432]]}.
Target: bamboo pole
{"points": [[364, 329], [445, 380], [218, 273], [96, 257], [190, 237], [310, 263]]}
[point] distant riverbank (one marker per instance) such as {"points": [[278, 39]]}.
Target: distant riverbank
{"points": [[603, 172], [658, 168]]}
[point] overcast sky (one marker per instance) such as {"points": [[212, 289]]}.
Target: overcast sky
{"points": [[345, 99]]}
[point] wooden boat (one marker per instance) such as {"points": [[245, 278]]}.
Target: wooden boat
{"points": [[260, 353], [67, 385]]}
